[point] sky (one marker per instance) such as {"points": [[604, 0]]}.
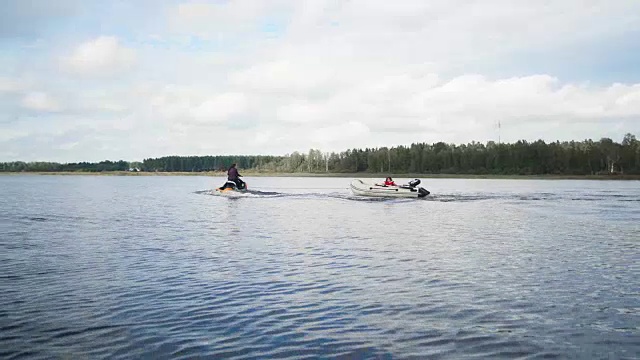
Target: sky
{"points": [[85, 80]]}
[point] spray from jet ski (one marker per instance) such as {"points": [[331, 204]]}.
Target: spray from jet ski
{"points": [[230, 187]]}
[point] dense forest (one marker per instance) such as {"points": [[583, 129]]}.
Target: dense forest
{"points": [[521, 158]]}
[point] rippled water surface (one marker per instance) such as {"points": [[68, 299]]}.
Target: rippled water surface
{"points": [[158, 267]]}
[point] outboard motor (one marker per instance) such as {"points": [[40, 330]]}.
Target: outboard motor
{"points": [[422, 192], [414, 183]]}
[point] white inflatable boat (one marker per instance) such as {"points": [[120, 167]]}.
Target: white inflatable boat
{"points": [[367, 188]]}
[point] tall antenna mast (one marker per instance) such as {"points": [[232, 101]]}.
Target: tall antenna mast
{"points": [[499, 132]]}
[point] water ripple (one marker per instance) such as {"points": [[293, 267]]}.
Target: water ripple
{"points": [[478, 270]]}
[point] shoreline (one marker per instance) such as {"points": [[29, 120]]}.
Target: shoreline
{"points": [[338, 175]]}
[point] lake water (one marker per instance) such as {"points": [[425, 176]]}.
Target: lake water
{"points": [[157, 267]]}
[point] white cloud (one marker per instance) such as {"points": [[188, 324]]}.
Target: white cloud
{"points": [[525, 98], [69, 145], [334, 75], [101, 56], [302, 113], [262, 138], [630, 101], [220, 108], [193, 105], [10, 134], [10, 85], [452, 32], [40, 101], [216, 20], [339, 133], [286, 75]]}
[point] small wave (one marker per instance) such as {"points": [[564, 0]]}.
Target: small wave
{"points": [[442, 197], [266, 193], [248, 193], [350, 197], [347, 196], [459, 197], [273, 194]]}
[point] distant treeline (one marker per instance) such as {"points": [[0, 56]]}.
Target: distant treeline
{"points": [[521, 158], [41, 166]]}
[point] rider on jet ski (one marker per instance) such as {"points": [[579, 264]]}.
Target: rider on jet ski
{"points": [[234, 176]]}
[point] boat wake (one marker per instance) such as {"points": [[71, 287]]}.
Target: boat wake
{"points": [[248, 193], [451, 197], [256, 194]]}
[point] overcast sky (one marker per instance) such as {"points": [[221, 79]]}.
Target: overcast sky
{"points": [[84, 80]]}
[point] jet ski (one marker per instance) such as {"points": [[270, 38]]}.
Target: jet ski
{"points": [[231, 188], [410, 190]]}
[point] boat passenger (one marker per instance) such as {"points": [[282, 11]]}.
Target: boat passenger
{"points": [[389, 182]]}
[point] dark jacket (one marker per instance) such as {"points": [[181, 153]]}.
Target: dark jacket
{"points": [[232, 174]]}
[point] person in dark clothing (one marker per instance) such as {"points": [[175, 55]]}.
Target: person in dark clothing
{"points": [[233, 175]]}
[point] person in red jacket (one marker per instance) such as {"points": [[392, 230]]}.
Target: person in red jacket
{"points": [[388, 182]]}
